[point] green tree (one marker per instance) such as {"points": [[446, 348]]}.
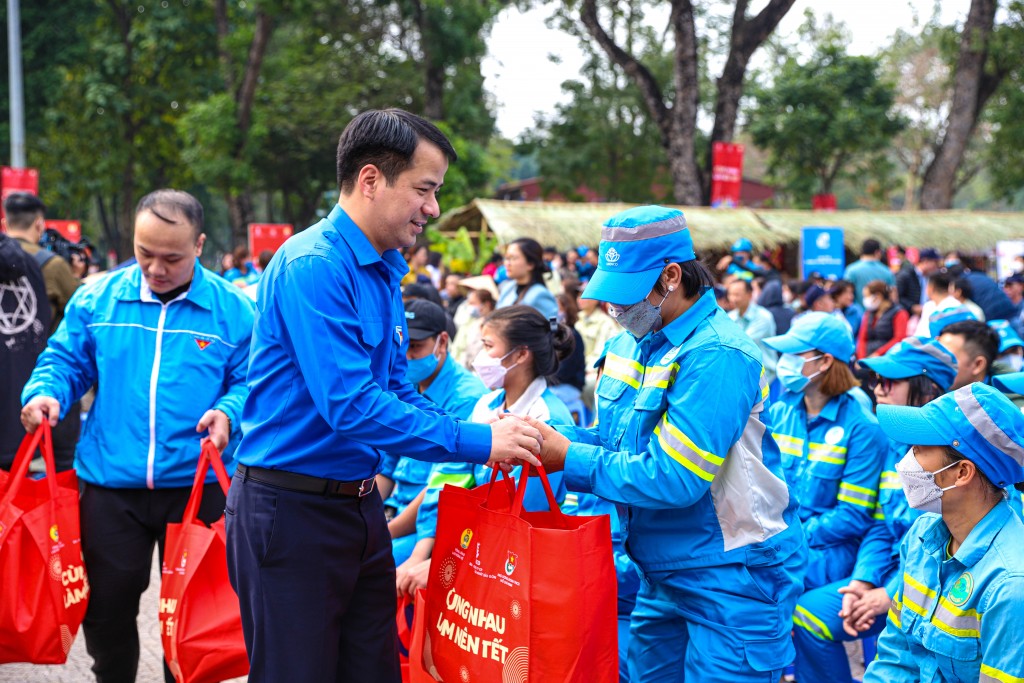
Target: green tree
{"points": [[823, 118]]}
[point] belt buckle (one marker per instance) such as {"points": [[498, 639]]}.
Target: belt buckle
{"points": [[366, 486]]}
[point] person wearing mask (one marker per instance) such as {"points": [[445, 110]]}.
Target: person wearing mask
{"points": [[166, 342], [832, 448], [975, 345], [453, 295], [956, 612], [453, 389], [1011, 348], [841, 292], [773, 300], [911, 374], [756, 322], [479, 304], [869, 267], [524, 263], [684, 445], [884, 323], [939, 299], [911, 284], [521, 353]]}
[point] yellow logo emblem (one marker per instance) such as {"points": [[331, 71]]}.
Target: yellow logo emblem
{"points": [[467, 537], [54, 535]]}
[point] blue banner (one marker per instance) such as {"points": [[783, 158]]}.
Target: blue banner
{"points": [[822, 251]]}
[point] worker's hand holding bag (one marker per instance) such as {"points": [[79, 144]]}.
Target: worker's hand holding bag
{"points": [[43, 587], [517, 595]]}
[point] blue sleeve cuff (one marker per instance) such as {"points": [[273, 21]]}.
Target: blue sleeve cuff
{"points": [[474, 442], [578, 464]]}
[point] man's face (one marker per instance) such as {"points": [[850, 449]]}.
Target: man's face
{"points": [[421, 348], [166, 252], [592, 257], [400, 211], [824, 304], [927, 266], [968, 368], [1014, 290], [739, 297]]}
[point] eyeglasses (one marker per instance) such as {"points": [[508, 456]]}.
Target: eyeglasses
{"points": [[885, 383]]}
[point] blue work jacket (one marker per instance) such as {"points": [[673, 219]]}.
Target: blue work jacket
{"points": [[683, 442], [833, 462], [328, 394], [157, 369], [956, 619], [456, 390]]}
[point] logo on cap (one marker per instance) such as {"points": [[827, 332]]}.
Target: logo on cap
{"points": [[611, 257]]}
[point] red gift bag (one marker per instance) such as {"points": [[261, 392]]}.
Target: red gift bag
{"points": [[43, 587], [412, 639], [516, 596], [200, 620]]}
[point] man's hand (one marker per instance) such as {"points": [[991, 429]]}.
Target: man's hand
{"points": [[38, 409], [555, 446], [219, 426], [513, 440], [873, 604], [412, 576], [853, 593]]}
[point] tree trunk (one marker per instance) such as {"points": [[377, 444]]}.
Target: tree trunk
{"points": [[937, 189], [240, 215], [433, 102]]}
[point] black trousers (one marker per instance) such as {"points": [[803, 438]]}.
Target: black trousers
{"points": [[315, 578], [119, 530]]}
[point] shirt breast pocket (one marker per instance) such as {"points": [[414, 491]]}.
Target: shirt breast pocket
{"points": [[371, 331], [956, 655], [612, 414], [822, 480]]}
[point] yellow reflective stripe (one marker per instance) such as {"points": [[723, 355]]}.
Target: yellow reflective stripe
{"points": [[896, 613], [623, 369], [660, 376], [461, 480], [890, 480], [571, 499], [819, 628], [857, 495], [789, 445], [916, 596], [955, 621], [990, 674], [682, 449], [879, 513], [823, 452], [764, 383], [841, 450]]}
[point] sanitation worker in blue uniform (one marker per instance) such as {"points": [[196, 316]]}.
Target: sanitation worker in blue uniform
{"points": [[309, 552], [683, 444], [956, 615]]}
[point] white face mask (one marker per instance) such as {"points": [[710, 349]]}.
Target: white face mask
{"points": [[1014, 360], [490, 370], [871, 303], [919, 486]]}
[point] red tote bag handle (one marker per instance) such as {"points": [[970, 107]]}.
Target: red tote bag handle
{"points": [[517, 505], [42, 439], [209, 455]]}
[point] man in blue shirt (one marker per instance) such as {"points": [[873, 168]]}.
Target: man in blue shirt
{"points": [[868, 268], [309, 552]]}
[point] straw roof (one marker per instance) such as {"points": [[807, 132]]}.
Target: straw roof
{"points": [[570, 224]]}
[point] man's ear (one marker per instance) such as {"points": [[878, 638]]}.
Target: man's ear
{"points": [[369, 180]]}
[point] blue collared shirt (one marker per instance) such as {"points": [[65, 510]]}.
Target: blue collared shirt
{"points": [[328, 392]]}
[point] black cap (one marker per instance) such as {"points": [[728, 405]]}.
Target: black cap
{"points": [[929, 254], [425, 319], [1015, 279]]}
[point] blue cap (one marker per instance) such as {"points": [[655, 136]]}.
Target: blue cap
{"points": [[742, 244], [822, 331], [1011, 382], [947, 316], [913, 357], [1008, 337], [636, 245], [977, 420]]}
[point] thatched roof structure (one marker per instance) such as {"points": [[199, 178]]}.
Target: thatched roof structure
{"points": [[570, 224]]}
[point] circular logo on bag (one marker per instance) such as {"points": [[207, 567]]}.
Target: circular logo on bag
{"points": [[517, 666], [55, 567], [464, 674], [961, 591], [54, 534], [516, 609], [447, 572], [834, 435]]}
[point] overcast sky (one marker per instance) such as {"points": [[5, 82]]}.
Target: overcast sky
{"points": [[523, 80]]}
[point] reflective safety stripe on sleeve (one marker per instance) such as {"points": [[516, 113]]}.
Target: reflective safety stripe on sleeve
{"points": [[807, 621], [990, 674], [896, 613], [879, 513], [857, 495], [682, 449], [890, 480], [623, 369]]}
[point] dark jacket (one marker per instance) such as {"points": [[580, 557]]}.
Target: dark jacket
{"points": [[882, 331], [908, 287], [990, 297], [771, 298]]}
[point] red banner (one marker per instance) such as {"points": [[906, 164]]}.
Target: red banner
{"points": [[71, 230], [726, 174], [17, 180], [268, 236], [823, 202]]}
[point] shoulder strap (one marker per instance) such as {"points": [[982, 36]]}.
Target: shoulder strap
{"points": [[43, 257]]}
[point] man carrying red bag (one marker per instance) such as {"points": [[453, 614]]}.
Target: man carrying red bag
{"points": [[167, 344], [685, 446]]}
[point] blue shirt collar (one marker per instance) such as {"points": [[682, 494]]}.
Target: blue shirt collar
{"points": [[134, 288], [935, 536], [360, 244], [682, 327]]}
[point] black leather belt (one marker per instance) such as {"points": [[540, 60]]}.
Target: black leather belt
{"points": [[305, 484]]}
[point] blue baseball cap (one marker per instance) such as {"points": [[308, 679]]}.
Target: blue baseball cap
{"points": [[913, 357], [822, 331], [636, 245], [742, 244], [1011, 382], [977, 420], [947, 316], [1008, 338]]}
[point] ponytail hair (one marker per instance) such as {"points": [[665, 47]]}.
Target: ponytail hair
{"points": [[523, 326]]}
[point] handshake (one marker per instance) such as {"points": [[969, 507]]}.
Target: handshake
{"points": [[515, 439]]}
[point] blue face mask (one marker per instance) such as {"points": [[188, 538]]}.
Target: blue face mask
{"points": [[418, 369], [790, 371]]}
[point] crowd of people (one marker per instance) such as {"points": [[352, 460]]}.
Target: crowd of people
{"points": [[788, 464]]}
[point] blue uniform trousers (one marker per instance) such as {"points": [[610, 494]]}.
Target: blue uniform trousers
{"points": [[833, 563], [728, 624], [316, 582], [819, 636]]}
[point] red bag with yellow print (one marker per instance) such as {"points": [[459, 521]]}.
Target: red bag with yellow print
{"points": [[516, 596]]}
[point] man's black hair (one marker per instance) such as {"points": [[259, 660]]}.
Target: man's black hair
{"points": [[387, 139], [979, 338], [21, 209], [870, 247], [164, 204]]}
